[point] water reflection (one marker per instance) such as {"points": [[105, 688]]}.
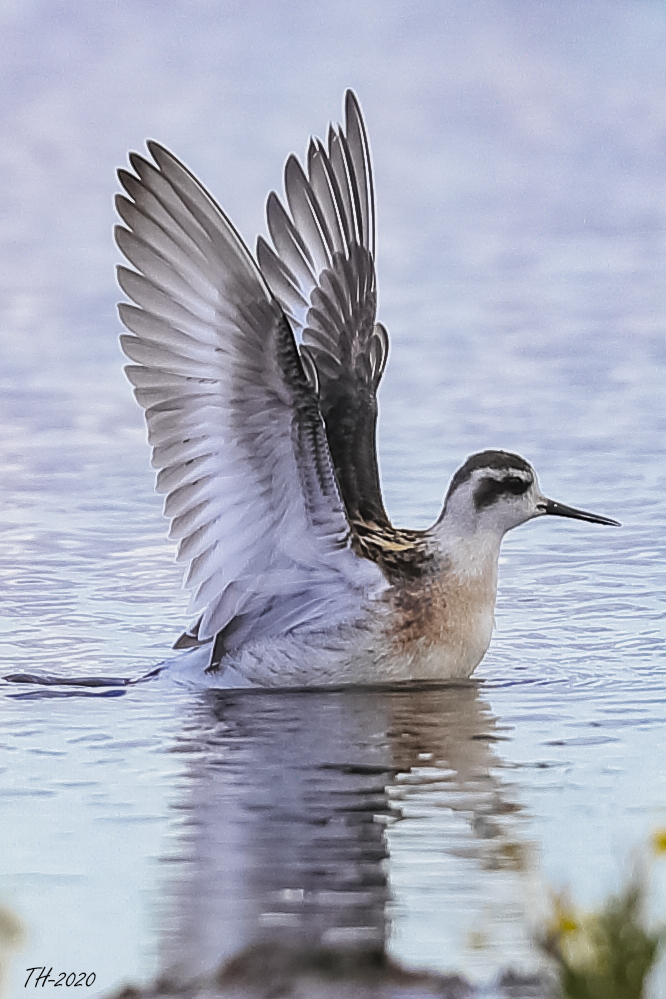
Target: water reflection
{"points": [[300, 809]]}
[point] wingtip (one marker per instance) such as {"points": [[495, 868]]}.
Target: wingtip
{"points": [[120, 234], [271, 200], [351, 99], [187, 641], [353, 111], [156, 149], [138, 164], [293, 167], [165, 159]]}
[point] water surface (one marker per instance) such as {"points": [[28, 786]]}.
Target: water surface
{"points": [[522, 227]]}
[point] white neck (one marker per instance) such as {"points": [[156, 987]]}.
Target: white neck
{"points": [[472, 550]]}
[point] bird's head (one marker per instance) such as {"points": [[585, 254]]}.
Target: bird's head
{"points": [[496, 490]]}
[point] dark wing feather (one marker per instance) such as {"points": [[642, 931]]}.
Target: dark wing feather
{"points": [[322, 271]]}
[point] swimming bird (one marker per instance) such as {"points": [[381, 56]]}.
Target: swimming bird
{"points": [[259, 377]]}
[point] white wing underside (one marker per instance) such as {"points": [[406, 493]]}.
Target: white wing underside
{"points": [[234, 423]]}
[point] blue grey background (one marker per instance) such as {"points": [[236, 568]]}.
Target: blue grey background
{"points": [[520, 166]]}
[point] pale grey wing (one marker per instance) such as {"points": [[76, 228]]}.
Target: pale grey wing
{"points": [[322, 271], [235, 426]]}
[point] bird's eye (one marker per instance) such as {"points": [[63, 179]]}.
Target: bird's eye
{"points": [[489, 490], [513, 484]]}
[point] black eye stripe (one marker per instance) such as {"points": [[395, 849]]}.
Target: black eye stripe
{"points": [[489, 490]]}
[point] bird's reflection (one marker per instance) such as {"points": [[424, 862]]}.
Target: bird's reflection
{"points": [[301, 811]]}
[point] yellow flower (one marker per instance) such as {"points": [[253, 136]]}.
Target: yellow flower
{"points": [[568, 923], [565, 916], [658, 840]]}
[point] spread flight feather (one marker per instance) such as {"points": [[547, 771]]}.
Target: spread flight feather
{"points": [[232, 412]]}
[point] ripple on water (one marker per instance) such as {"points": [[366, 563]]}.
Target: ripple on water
{"points": [[523, 292]]}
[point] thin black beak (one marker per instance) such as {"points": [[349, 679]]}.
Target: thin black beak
{"points": [[560, 510]]}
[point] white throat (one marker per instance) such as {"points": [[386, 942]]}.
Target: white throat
{"points": [[472, 549]]}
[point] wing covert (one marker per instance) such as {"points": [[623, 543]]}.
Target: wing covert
{"points": [[233, 420]]}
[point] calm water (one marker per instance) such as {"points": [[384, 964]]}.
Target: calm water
{"points": [[521, 177]]}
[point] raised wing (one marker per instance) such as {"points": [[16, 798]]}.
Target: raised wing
{"points": [[234, 423], [322, 271]]}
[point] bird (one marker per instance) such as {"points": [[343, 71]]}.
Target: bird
{"points": [[258, 375]]}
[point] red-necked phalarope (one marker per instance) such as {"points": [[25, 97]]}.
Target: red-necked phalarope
{"points": [[266, 448]]}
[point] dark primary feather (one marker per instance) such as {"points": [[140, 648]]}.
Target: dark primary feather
{"points": [[322, 271]]}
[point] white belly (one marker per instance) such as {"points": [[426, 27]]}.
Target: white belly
{"points": [[439, 634]]}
